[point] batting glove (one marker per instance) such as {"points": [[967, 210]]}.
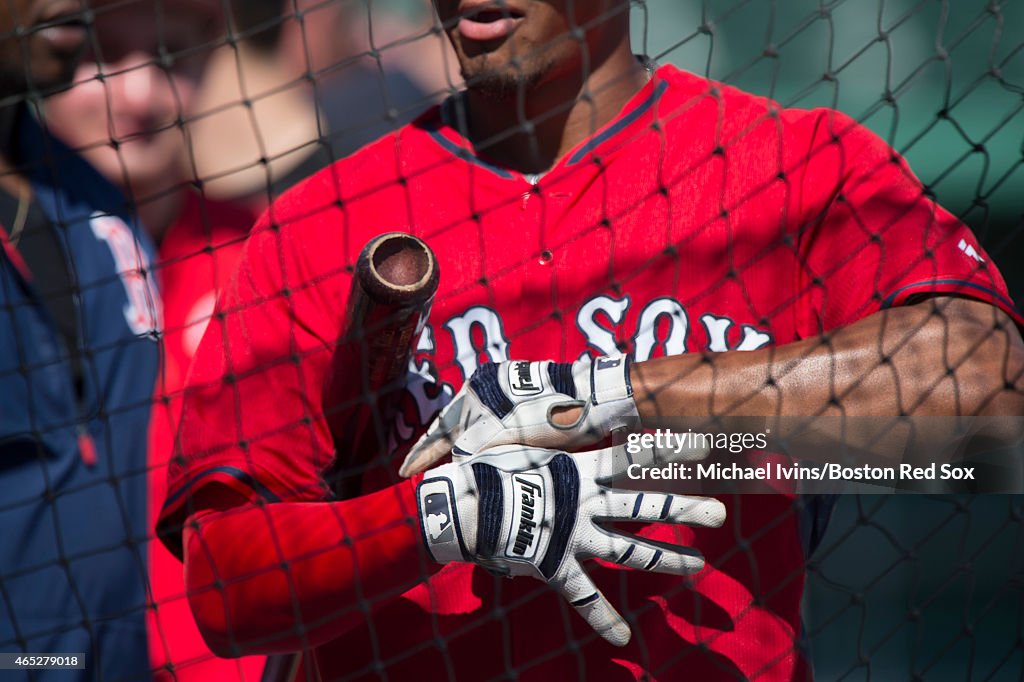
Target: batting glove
{"points": [[520, 511], [512, 402]]}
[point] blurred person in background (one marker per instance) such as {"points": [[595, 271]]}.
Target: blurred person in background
{"points": [[294, 94], [364, 94], [132, 89], [79, 325]]}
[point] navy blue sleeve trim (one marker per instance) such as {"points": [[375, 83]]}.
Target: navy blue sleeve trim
{"points": [[233, 472], [892, 298]]}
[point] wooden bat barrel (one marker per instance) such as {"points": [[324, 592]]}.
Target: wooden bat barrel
{"points": [[393, 287]]}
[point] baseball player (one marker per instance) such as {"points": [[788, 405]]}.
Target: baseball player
{"points": [[584, 204], [78, 359]]}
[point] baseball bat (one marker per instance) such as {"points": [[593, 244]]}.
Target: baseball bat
{"points": [[393, 287]]}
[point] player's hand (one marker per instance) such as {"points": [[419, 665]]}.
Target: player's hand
{"points": [[526, 402], [518, 510]]}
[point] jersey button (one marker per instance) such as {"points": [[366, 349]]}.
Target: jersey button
{"points": [[546, 257]]}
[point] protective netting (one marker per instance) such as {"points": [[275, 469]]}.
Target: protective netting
{"points": [[898, 586]]}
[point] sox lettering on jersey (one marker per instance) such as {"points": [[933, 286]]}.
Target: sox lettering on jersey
{"points": [[663, 323], [142, 311], [718, 330], [597, 336], [646, 339]]}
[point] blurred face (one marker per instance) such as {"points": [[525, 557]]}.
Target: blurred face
{"points": [[43, 56], [123, 110], [503, 45]]}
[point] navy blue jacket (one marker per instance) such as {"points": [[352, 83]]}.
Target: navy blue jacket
{"points": [[73, 464]]}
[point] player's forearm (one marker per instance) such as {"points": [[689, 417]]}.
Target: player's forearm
{"points": [[282, 577], [940, 357]]}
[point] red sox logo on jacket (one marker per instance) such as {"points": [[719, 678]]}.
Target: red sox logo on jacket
{"points": [[142, 312]]}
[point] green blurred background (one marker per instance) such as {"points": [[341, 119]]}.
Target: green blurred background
{"points": [[943, 82]]}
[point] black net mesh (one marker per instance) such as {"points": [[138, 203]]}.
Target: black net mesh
{"points": [[204, 112]]}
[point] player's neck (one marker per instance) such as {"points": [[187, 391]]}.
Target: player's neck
{"points": [[562, 112]]}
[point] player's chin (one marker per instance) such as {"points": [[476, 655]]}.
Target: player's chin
{"points": [[502, 74], [478, 69], [495, 80]]}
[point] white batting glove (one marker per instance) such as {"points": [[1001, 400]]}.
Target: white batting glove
{"points": [[512, 402], [519, 510]]}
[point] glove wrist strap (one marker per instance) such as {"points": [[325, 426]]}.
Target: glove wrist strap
{"points": [[609, 377], [611, 398]]}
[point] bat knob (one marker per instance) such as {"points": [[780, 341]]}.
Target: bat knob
{"points": [[398, 268]]}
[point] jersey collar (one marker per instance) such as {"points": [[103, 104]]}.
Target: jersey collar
{"points": [[445, 126]]}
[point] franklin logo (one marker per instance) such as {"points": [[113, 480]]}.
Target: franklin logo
{"points": [[527, 513], [524, 379], [439, 517]]}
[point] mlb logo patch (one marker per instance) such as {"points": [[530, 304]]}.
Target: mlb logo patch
{"points": [[439, 520], [437, 510]]}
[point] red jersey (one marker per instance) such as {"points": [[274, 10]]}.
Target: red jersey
{"points": [[196, 257], [701, 219]]}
